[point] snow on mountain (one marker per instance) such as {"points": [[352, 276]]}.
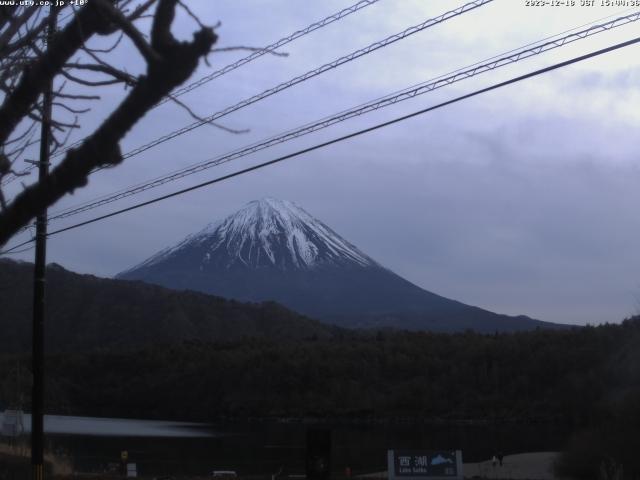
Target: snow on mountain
{"points": [[272, 250], [267, 233]]}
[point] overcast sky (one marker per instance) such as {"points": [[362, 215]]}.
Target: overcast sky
{"points": [[524, 200]]}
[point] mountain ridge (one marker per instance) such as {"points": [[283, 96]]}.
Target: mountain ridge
{"points": [[85, 312], [274, 250]]}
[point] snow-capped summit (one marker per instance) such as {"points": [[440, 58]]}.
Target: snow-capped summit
{"points": [[274, 250], [265, 233], [279, 233]]}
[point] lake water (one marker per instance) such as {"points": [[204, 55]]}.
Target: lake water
{"points": [[119, 427], [165, 448]]}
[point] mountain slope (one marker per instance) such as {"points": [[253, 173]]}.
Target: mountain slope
{"points": [[274, 250], [265, 234], [84, 312]]}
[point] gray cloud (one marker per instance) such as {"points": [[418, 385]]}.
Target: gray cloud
{"points": [[519, 201]]}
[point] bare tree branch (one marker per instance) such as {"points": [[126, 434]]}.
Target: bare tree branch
{"points": [[130, 30], [197, 117], [190, 13], [21, 148], [175, 63], [141, 9], [15, 24], [24, 41], [44, 68], [58, 143], [57, 124], [89, 83], [22, 135], [118, 75], [108, 49], [5, 169], [76, 96], [70, 109]]}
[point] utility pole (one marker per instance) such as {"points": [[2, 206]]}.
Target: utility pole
{"points": [[37, 394]]}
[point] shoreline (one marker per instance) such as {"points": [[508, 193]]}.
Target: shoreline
{"points": [[519, 466], [335, 420]]}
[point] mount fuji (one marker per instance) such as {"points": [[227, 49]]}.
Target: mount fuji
{"points": [[274, 250]]}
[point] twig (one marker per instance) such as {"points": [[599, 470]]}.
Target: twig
{"points": [[107, 70], [150, 55], [197, 117], [90, 83], [191, 14]]}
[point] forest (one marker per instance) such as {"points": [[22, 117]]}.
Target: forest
{"points": [[587, 378], [574, 376]]}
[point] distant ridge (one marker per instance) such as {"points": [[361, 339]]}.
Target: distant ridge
{"points": [[274, 250], [86, 313]]}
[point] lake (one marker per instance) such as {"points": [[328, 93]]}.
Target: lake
{"points": [[165, 448]]}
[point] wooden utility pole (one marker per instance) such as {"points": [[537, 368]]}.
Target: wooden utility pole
{"points": [[37, 395]]}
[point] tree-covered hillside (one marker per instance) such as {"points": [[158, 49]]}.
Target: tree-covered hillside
{"points": [[85, 313], [572, 376], [586, 378]]}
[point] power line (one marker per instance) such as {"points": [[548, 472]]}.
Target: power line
{"points": [[406, 94], [255, 55], [274, 46], [232, 66], [16, 252], [307, 76], [349, 136], [311, 74]]}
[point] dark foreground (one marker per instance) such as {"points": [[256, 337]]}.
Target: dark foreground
{"points": [[526, 466]]}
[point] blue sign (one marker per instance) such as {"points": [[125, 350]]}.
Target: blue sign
{"points": [[423, 465]]}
